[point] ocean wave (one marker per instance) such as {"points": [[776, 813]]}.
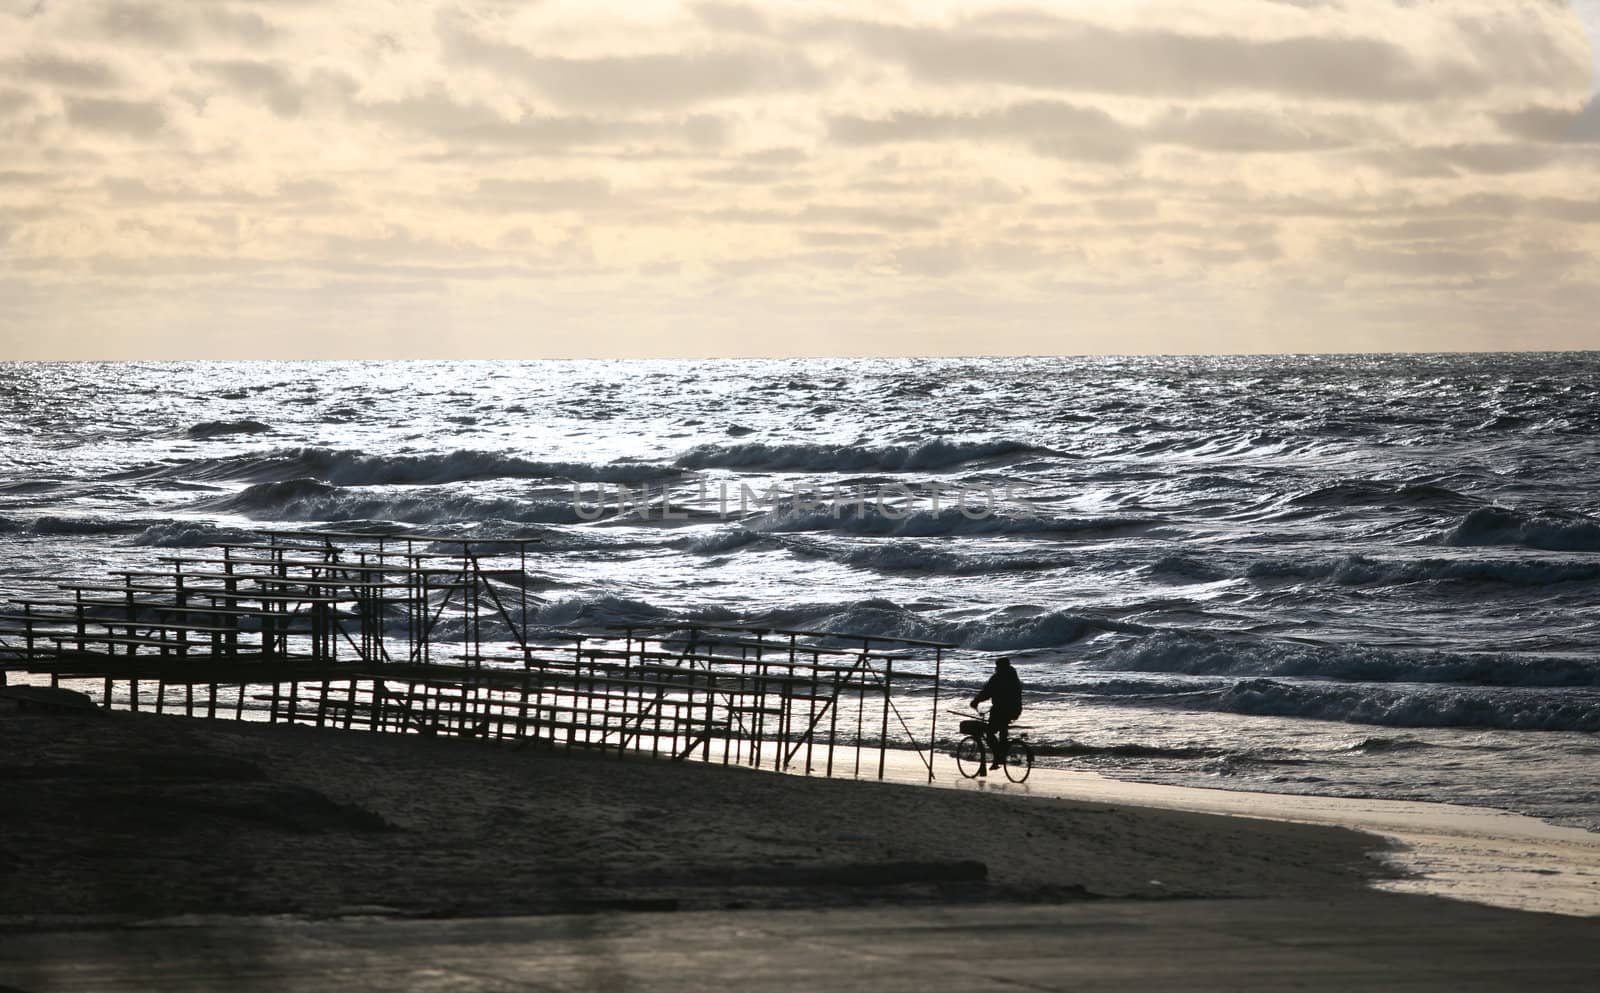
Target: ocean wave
{"points": [[929, 456], [912, 523], [1013, 629], [600, 609], [1187, 568], [1566, 532], [1379, 745], [30, 486], [314, 500], [1170, 441], [1192, 656], [1501, 709], [54, 526], [908, 556], [1358, 570], [1368, 492], [1071, 749], [190, 534], [1405, 705], [723, 540], [219, 429], [344, 467]]}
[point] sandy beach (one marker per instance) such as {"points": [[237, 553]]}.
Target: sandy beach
{"points": [[119, 816], [143, 852]]}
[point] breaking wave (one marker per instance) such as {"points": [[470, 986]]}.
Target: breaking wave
{"points": [[1013, 629], [1507, 526], [869, 519], [344, 467], [51, 525], [1187, 655], [315, 500], [1367, 492], [928, 457], [1358, 570], [190, 534], [1523, 710], [907, 556], [219, 429]]}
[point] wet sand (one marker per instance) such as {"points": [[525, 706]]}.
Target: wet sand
{"points": [[1466, 853]]}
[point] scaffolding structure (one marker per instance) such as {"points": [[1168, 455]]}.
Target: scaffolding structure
{"points": [[400, 633]]}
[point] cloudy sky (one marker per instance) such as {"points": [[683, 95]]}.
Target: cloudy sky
{"points": [[299, 178]]}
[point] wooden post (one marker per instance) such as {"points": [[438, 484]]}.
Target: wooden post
{"points": [[861, 706], [933, 725], [231, 586], [883, 736], [811, 708], [711, 714], [322, 703]]}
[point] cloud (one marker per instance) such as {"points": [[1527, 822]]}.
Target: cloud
{"points": [[847, 215], [1070, 131], [732, 18], [663, 80], [1553, 124], [244, 26], [145, 23], [994, 170], [1086, 57], [265, 81], [13, 101], [58, 70], [541, 194], [1443, 161], [133, 118], [1055, 129], [1246, 130], [438, 115]]}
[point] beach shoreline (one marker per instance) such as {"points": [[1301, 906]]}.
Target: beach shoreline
{"points": [[161, 852], [124, 817], [1477, 854]]}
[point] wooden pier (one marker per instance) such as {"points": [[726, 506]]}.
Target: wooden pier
{"points": [[402, 633]]}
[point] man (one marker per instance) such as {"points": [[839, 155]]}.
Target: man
{"points": [[1005, 690]]}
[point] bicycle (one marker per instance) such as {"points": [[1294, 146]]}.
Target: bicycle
{"points": [[972, 752]]}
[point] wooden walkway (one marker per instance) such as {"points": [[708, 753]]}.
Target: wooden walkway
{"points": [[400, 633]]}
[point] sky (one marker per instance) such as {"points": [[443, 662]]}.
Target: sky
{"points": [[488, 179]]}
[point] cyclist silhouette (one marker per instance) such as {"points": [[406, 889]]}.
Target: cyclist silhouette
{"points": [[1005, 690]]}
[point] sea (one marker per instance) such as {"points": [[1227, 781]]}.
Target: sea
{"points": [[1350, 575]]}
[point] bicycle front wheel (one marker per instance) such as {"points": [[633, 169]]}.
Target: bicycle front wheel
{"points": [[1019, 761], [970, 757]]}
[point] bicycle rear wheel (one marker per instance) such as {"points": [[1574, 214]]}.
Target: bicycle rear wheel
{"points": [[970, 757], [1019, 761]]}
